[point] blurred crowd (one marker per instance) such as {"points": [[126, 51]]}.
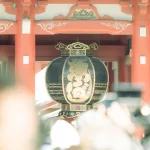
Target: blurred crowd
{"points": [[120, 122]]}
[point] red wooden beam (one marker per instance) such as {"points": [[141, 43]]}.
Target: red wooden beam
{"points": [[90, 1], [7, 3], [83, 27], [27, 1], [104, 1], [81, 37], [48, 52], [73, 27]]}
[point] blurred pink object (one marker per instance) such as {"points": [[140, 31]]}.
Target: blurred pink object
{"points": [[18, 120]]}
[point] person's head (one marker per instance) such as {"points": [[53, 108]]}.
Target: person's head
{"points": [[98, 132], [18, 117]]}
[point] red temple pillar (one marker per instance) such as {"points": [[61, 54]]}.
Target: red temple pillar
{"points": [[141, 51], [121, 69], [128, 73], [25, 45], [111, 76], [124, 70]]}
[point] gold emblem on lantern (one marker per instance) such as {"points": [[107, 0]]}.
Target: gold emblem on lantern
{"points": [[79, 86]]}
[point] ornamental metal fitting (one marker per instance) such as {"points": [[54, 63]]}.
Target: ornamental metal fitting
{"points": [[76, 49]]}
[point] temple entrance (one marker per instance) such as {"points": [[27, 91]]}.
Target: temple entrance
{"points": [[114, 51]]}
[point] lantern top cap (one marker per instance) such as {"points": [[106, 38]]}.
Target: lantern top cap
{"points": [[76, 46]]}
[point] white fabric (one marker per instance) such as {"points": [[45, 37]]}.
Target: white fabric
{"points": [[98, 132], [41, 94], [63, 135], [46, 147]]}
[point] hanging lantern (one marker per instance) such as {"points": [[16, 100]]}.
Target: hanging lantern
{"points": [[76, 80]]}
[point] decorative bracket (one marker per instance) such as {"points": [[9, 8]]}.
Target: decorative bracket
{"points": [[126, 6], [143, 6], [10, 7], [40, 6], [125, 3], [26, 8]]}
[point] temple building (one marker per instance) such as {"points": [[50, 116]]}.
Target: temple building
{"points": [[31, 29]]}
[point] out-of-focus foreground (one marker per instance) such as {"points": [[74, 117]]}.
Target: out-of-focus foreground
{"points": [[116, 124]]}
